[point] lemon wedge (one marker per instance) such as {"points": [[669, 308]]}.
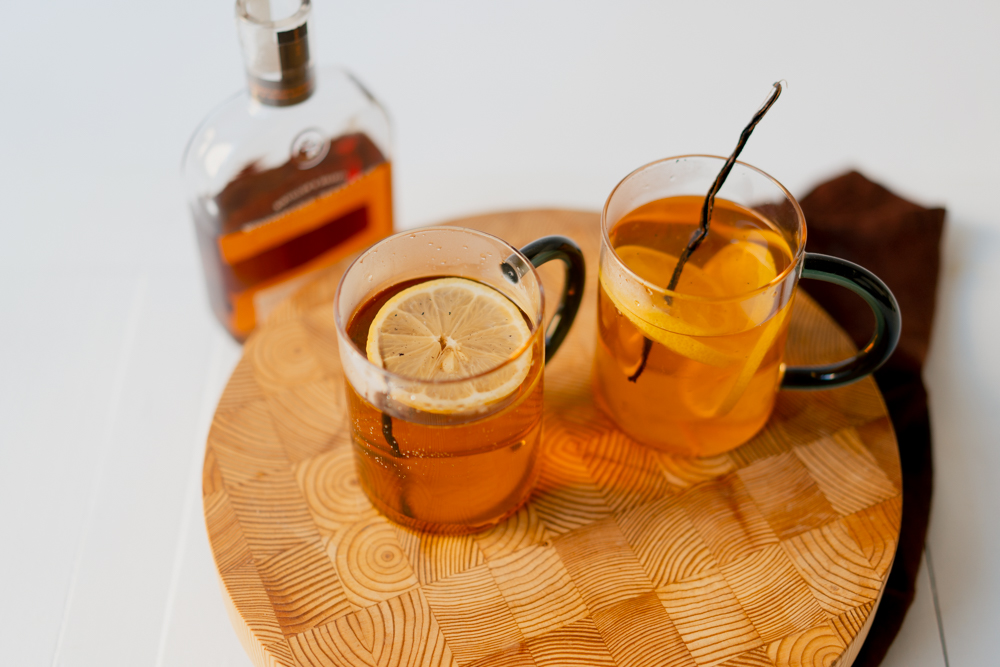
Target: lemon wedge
{"points": [[450, 329]]}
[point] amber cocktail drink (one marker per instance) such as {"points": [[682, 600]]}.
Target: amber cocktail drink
{"points": [[691, 362], [444, 351], [700, 372], [423, 466]]}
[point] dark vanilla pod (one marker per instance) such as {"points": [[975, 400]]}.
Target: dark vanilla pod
{"points": [[706, 215]]}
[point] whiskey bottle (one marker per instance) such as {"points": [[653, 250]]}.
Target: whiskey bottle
{"points": [[288, 176]]}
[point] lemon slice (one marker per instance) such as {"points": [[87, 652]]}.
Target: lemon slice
{"points": [[675, 332], [718, 401], [657, 268], [450, 329], [771, 331], [682, 344], [739, 268], [743, 266]]}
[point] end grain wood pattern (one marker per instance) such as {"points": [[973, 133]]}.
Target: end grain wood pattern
{"points": [[774, 554]]}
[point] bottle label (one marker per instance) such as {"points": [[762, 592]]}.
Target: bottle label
{"points": [[267, 254]]}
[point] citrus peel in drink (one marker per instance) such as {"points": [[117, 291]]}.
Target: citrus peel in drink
{"points": [[674, 331], [743, 266], [450, 329], [697, 329]]}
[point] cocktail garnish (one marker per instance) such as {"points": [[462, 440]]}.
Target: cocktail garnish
{"points": [[450, 329], [706, 215], [706, 210]]}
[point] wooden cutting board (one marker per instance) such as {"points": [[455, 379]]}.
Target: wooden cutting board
{"points": [[774, 554]]}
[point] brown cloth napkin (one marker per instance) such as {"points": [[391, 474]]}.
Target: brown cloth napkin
{"points": [[861, 221]]}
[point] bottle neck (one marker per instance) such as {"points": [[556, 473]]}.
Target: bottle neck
{"points": [[278, 62]]}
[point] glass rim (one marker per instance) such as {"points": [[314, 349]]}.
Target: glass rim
{"points": [[536, 322], [777, 280]]}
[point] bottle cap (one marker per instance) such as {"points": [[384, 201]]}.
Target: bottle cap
{"points": [[275, 41]]}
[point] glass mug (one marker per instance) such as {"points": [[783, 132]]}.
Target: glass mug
{"points": [[695, 370], [450, 453]]}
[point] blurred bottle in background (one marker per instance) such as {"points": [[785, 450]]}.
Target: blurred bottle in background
{"points": [[287, 177]]}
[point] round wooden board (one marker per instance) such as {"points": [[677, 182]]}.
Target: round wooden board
{"points": [[774, 554]]}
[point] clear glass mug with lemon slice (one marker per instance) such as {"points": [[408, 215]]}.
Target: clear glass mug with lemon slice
{"points": [[695, 370], [442, 344]]}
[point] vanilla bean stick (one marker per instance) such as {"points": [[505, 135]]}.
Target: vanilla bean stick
{"points": [[706, 210], [706, 215]]}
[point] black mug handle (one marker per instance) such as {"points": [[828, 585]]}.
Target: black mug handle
{"points": [[541, 251], [865, 284]]}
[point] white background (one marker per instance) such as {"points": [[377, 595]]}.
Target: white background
{"points": [[110, 364]]}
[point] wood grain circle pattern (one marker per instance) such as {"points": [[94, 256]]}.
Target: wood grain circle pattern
{"points": [[774, 554]]}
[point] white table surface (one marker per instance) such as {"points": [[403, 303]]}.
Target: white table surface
{"points": [[110, 363]]}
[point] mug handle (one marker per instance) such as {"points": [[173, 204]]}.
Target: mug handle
{"points": [[867, 285], [539, 252]]}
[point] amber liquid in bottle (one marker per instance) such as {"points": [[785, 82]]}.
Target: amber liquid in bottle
{"points": [[288, 177], [275, 227]]}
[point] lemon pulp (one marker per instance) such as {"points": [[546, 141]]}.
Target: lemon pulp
{"points": [[450, 329]]}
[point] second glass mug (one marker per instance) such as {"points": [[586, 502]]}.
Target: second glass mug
{"points": [[469, 464], [696, 372]]}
